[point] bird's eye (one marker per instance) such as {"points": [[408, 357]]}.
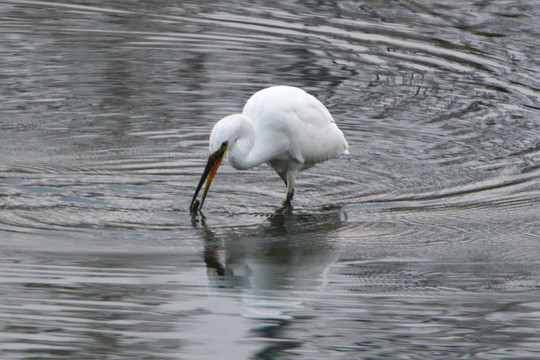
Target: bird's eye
{"points": [[225, 143]]}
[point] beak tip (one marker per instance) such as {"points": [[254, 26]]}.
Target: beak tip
{"points": [[194, 206]]}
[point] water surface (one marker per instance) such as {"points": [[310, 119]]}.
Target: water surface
{"points": [[423, 243]]}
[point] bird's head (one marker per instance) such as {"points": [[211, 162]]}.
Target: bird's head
{"points": [[223, 136], [229, 129]]}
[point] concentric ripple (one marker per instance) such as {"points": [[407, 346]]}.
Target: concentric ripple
{"points": [[423, 242]]}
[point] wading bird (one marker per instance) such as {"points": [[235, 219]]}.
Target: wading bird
{"points": [[283, 126]]}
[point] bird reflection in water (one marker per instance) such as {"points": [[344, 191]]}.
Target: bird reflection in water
{"points": [[289, 250]]}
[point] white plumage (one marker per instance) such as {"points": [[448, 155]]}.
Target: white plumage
{"points": [[282, 126]]}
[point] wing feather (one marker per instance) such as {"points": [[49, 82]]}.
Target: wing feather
{"points": [[287, 120]]}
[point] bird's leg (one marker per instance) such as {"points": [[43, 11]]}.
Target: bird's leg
{"points": [[290, 195], [291, 176]]}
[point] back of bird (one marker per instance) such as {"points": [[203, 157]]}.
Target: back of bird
{"points": [[295, 122]]}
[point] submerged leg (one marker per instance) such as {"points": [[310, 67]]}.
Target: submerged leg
{"points": [[291, 177]]}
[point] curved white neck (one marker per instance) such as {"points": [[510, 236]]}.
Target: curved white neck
{"points": [[240, 152]]}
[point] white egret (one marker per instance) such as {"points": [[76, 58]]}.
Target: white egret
{"points": [[283, 126]]}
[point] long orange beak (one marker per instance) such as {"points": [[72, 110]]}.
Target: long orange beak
{"points": [[214, 160]]}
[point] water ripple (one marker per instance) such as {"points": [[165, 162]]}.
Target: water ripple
{"points": [[423, 240]]}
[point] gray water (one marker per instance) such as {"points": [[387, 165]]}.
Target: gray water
{"points": [[422, 244]]}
